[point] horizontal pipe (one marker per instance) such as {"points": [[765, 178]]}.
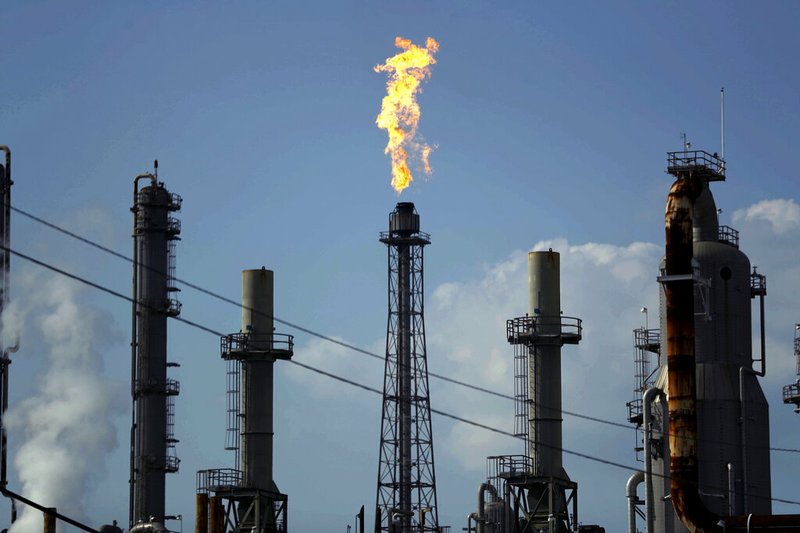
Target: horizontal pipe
{"points": [[18, 497]]}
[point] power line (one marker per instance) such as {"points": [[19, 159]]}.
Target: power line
{"points": [[291, 324], [201, 327], [328, 338]]}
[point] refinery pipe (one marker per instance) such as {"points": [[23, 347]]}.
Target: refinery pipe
{"points": [[630, 492], [647, 401]]}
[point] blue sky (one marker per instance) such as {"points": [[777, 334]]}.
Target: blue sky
{"points": [[552, 121]]}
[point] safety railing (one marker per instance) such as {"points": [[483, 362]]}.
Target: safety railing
{"points": [[728, 235], [268, 342]]}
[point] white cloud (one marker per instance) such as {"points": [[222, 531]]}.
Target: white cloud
{"points": [[782, 214]]}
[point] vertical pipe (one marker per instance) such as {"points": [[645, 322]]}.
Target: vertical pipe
{"points": [[679, 297], [647, 401], [50, 520], [481, 520], [722, 121], [731, 492], [763, 371], [6, 269], [257, 377], [201, 522], [630, 492], [404, 374], [544, 304], [216, 515]]}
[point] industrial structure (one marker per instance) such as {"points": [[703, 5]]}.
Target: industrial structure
{"points": [[155, 232], [406, 493], [5, 281], [791, 392], [245, 498], [532, 492], [703, 416]]}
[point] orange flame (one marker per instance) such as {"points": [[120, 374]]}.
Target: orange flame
{"points": [[400, 112]]}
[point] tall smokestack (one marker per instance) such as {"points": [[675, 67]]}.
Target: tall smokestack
{"points": [[406, 495], [152, 441], [254, 502], [537, 338]]}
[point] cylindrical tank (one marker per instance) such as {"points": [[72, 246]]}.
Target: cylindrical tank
{"points": [[544, 384]]}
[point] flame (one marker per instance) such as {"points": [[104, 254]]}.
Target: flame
{"points": [[400, 112]]}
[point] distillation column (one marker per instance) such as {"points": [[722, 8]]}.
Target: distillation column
{"points": [[152, 442], [406, 495]]}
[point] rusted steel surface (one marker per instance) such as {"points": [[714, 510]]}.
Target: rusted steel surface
{"points": [[680, 358]]}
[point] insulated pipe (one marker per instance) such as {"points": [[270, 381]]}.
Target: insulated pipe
{"points": [[647, 401], [481, 520], [630, 492], [679, 296], [134, 340]]}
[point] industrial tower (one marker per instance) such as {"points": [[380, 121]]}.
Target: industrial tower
{"points": [[532, 492], [155, 232], [5, 274], [714, 299], [245, 498], [406, 495], [791, 392]]}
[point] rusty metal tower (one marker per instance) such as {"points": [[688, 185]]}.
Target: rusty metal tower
{"points": [[406, 495], [155, 233]]}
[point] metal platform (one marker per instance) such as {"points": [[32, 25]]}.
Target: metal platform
{"points": [[696, 163], [248, 345], [544, 330]]}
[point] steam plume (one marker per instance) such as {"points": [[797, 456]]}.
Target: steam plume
{"points": [[66, 426]]}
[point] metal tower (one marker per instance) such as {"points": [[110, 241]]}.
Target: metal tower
{"points": [[406, 495], [152, 441], [536, 489], [791, 392], [245, 498]]}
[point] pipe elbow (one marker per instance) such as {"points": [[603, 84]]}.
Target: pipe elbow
{"points": [[634, 481]]}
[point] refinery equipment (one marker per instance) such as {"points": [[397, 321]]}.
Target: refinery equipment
{"points": [[155, 232], [245, 498], [406, 494], [5, 274], [791, 392], [532, 492], [703, 414]]}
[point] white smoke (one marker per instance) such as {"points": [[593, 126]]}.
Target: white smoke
{"points": [[66, 426]]}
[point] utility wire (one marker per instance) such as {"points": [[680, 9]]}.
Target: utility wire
{"points": [[313, 333], [352, 382]]}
